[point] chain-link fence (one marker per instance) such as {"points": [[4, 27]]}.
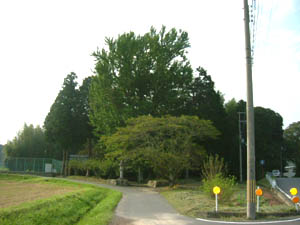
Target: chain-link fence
{"points": [[1, 158], [33, 165]]}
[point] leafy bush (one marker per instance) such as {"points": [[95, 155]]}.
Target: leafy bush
{"points": [[77, 166], [212, 166], [109, 168], [226, 184], [105, 169]]}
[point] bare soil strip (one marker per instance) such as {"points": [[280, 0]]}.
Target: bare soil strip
{"points": [[15, 193]]}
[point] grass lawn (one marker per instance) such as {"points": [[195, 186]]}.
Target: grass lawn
{"points": [[35, 200], [191, 201]]}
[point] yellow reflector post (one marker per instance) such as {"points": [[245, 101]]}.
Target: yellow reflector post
{"points": [[216, 190], [293, 191]]}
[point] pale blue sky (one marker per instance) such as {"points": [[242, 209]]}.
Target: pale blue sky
{"points": [[42, 41]]}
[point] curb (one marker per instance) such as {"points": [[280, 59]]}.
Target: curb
{"points": [[246, 222]]}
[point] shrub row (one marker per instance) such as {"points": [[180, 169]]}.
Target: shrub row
{"points": [[104, 168]]}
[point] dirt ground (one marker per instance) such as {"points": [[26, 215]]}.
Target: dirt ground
{"points": [[273, 200], [15, 193]]}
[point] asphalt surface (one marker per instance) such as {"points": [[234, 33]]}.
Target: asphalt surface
{"points": [[143, 206], [287, 183]]}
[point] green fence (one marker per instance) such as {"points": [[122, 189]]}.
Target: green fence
{"points": [[1, 158], [33, 165]]}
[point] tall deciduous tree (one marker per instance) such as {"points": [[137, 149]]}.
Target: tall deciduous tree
{"points": [[86, 129], [205, 101], [268, 138], [140, 75], [231, 151], [292, 134], [292, 144], [62, 125], [169, 144]]}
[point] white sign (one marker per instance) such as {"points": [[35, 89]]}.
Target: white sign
{"points": [[48, 168]]}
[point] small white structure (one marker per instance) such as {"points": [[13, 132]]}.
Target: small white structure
{"points": [[290, 169], [48, 168]]}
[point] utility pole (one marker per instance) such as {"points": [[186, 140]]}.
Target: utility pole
{"points": [[240, 146], [251, 182]]}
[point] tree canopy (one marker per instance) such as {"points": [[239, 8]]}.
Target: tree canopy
{"points": [[146, 100], [292, 144], [150, 75], [61, 124], [30, 142], [140, 75], [169, 144]]}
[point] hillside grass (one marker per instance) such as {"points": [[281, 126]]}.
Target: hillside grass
{"points": [[85, 204], [193, 202]]}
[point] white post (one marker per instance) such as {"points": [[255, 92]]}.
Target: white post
{"points": [[216, 203], [121, 170], [257, 201]]}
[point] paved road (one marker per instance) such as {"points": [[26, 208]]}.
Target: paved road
{"points": [[143, 206], [287, 183]]}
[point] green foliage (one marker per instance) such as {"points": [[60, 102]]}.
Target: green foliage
{"points": [[85, 206], [30, 142], [169, 165], [292, 144], [292, 134], [100, 168], [212, 166], [67, 125], [268, 138], [109, 168], [104, 212], [61, 124], [231, 135], [205, 101], [167, 144], [140, 75], [226, 184]]}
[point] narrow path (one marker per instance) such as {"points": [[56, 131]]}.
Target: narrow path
{"points": [[143, 206]]}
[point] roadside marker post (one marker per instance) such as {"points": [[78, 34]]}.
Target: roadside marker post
{"points": [[258, 193], [295, 199], [293, 191], [216, 191]]}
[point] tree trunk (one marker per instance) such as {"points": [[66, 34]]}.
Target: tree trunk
{"points": [[187, 173], [140, 175], [66, 164], [171, 180]]}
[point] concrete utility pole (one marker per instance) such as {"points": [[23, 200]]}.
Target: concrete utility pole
{"points": [[251, 183]]}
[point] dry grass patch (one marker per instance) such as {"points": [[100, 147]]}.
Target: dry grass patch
{"points": [[194, 202], [14, 193]]}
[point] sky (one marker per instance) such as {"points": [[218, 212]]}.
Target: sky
{"points": [[43, 41]]}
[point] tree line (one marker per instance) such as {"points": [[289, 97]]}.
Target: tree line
{"points": [[146, 106]]}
